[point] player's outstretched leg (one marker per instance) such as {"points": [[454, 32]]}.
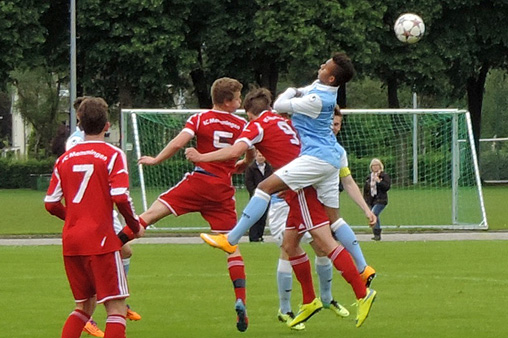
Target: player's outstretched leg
{"points": [[241, 316], [251, 214], [219, 241]]}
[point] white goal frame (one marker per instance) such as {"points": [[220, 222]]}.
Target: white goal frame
{"points": [[454, 224]]}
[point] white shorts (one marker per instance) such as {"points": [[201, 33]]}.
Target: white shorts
{"points": [[116, 222], [308, 170], [277, 215]]}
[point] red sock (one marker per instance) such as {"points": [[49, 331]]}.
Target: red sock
{"points": [[301, 267], [115, 327], [74, 324], [236, 269], [344, 263]]}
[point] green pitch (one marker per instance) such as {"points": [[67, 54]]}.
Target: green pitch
{"points": [[425, 289], [23, 211]]}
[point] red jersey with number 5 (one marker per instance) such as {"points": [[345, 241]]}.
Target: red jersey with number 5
{"points": [[91, 176], [274, 136], [214, 130]]}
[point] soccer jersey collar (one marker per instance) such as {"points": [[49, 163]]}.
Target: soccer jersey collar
{"points": [[323, 87]]}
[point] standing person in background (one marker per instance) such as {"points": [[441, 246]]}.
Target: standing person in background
{"points": [[375, 192], [254, 174], [91, 177], [78, 136]]}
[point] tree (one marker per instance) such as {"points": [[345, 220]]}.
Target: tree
{"points": [[5, 120], [258, 42], [39, 104], [495, 105], [21, 34], [129, 51], [471, 43]]}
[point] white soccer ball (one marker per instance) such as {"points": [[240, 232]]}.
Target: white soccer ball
{"points": [[409, 28]]}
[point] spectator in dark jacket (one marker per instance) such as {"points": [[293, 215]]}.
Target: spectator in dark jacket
{"points": [[254, 174], [375, 192]]}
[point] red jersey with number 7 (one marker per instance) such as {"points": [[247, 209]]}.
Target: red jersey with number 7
{"points": [[274, 136], [214, 130], [90, 177]]}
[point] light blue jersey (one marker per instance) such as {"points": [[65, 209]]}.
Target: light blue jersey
{"points": [[312, 109], [76, 137]]}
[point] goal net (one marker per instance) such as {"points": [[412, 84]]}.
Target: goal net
{"points": [[428, 153]]}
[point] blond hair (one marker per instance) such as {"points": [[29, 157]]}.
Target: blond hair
{"points": [[376, 161], [224, 89]]}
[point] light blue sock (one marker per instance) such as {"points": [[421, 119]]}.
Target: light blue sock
{"points": [[324, 271], [126, 265], [284, 285], [345, 235], [251, 214]]}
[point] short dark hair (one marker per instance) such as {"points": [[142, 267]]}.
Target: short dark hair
{"points": [[93, 115], [78, 101], [257, 100], [344, 71]]}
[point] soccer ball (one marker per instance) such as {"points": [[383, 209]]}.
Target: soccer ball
{"points": [[409, 28]]}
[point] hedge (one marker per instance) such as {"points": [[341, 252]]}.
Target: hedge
{"points": [[15, 174]]}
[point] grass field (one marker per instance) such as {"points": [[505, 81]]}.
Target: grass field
{"points": [[23, 211], [426, 289]]}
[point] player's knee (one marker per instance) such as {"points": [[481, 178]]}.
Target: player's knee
{"points": [[126, 251], [337, 224], [272, 185]]}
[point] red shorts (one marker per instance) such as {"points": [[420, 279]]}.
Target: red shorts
{"points": [[100, 275], [306, 212], [211, 196]]}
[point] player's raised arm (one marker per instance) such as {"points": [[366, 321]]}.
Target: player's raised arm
{"points": [[354, 192], [242, 164], [295, 100], [224, 154], [171, 148], [53, 200]]}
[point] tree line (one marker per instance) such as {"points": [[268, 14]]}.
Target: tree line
{"points": [[130, 51]]}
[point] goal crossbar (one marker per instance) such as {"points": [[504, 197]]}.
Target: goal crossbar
{"points": [[430, 154]]}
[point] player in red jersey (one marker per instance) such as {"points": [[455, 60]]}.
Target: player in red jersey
{"points": [[208, 189], [91, 177], [277, 140]]}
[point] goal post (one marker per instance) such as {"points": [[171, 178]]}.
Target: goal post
{"points": [[429, 154]]}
